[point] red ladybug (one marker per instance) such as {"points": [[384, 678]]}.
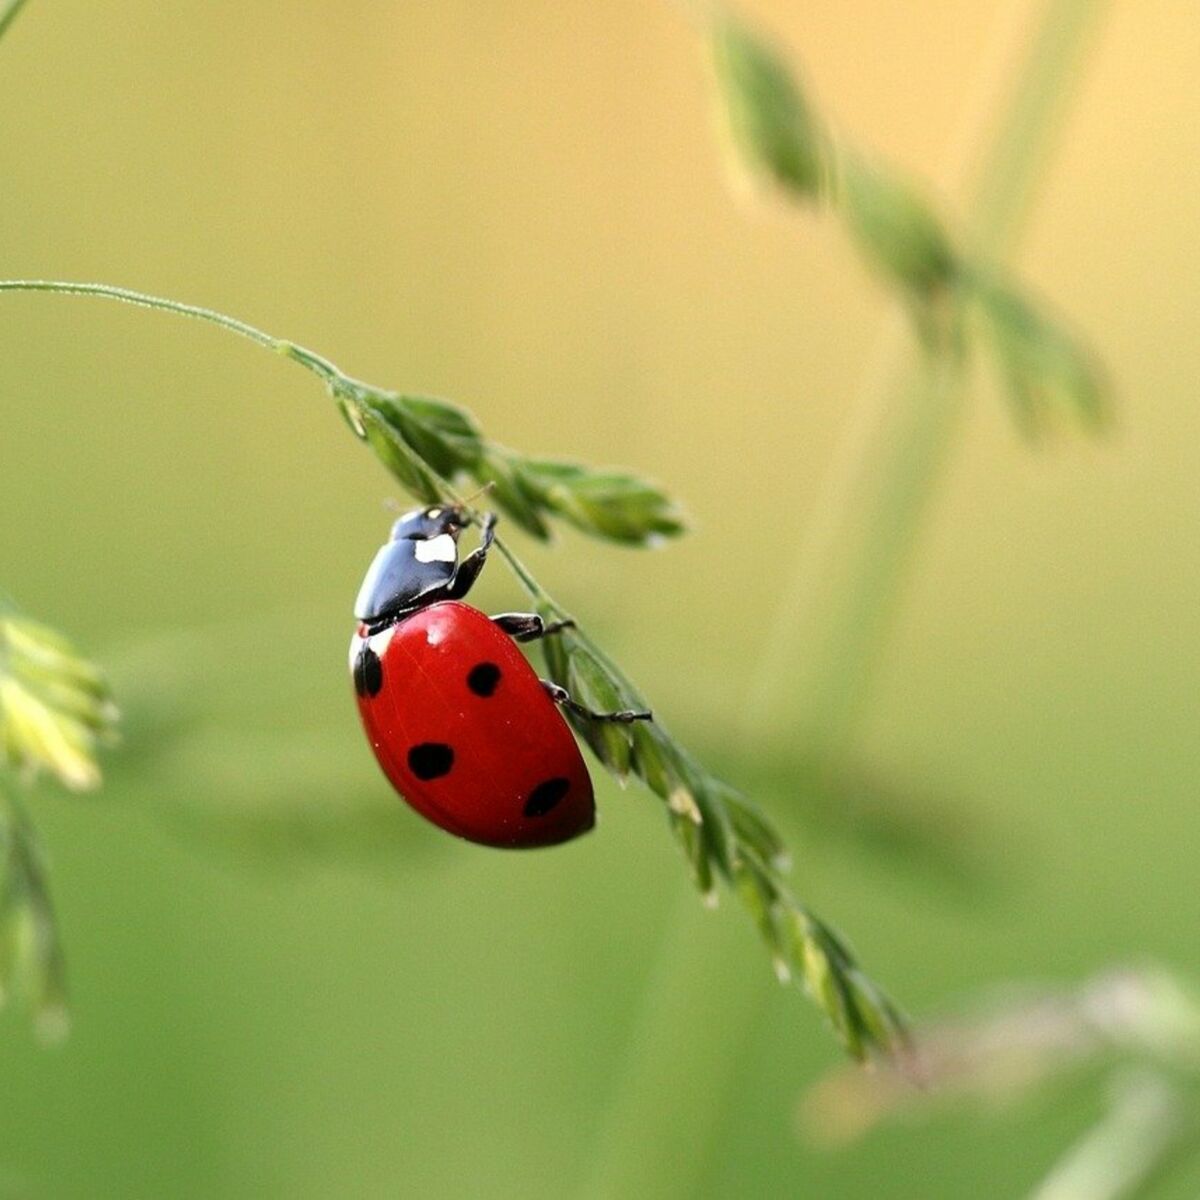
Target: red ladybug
{"points": [[459, 721]]}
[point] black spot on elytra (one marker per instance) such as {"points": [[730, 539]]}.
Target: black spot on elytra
{"points": [[483, 678], [368, 672], [546, 796], [430, 760]]}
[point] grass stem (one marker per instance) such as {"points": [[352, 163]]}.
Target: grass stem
{"points": [[910, 423], [835, 615], [8, 14]]}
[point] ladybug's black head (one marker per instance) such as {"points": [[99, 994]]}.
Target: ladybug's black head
{"points": [[415, 566], [424, 524]]}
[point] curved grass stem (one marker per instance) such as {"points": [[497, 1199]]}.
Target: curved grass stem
{"points": [[143, 300], [331, 375], [428, 445]]}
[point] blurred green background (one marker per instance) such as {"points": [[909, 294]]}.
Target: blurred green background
{"points": [[284, 984]]}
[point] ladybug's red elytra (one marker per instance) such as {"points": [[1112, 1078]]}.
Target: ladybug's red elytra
{"points": [[458, 719]]}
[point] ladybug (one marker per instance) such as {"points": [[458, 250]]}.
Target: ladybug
{"points": [[458, 719]]}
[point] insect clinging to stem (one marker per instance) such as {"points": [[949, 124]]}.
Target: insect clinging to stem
{"points": [[458, 719]]}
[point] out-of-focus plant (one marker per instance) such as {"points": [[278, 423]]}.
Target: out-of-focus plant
{"points": [[432, 447], [8, 13], [777, 136], [1139, 1029], [55, 710], [55, 706], [833, 619]]}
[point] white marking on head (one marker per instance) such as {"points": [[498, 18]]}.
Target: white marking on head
{"points": [[434, 513], [436, 549]]}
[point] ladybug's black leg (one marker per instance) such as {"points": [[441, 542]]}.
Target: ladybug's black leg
{"points": [[469, 568], [624, 716], [528, 627]]}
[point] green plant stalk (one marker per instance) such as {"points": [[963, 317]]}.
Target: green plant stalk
{"points": [[1009, 175], [847, 590], [31, 957], [1148, 1123], [722, 835], [320, 366], [338, 382], [8, 14], [651, 1138], [909, 447], [918, 435]]}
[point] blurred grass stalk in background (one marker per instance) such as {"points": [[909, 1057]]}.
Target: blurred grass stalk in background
{"points": [[834, 613], [1139, 1027], [8, 13], [836, 610]]}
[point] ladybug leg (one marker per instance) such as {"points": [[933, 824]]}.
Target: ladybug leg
{"points": [[528, 627], [468, 570], [623, 716]]}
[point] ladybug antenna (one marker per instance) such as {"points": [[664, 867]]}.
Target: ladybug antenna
{"points": [[480, 491]]}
